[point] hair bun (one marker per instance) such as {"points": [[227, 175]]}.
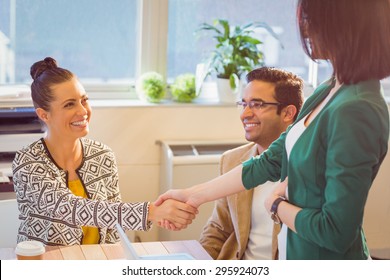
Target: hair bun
{"points": [[41, 66]]}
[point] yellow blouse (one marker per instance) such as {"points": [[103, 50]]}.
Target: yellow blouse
{"points": [[90, 234]]}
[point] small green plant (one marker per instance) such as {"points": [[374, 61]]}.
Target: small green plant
{"points": [[236, 51], [183, 88], [151, 86]]}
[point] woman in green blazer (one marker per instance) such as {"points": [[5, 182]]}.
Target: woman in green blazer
{"points": [[330, 156]]}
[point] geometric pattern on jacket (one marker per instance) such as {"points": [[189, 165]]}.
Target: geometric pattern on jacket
{"points": [[52, 214]]}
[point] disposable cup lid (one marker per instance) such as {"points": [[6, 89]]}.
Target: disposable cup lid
{"points": [[30, 248]]}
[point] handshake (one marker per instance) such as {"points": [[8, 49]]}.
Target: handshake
{"points": [[173, 210]]}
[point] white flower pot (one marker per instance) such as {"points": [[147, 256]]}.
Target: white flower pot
{"points": [[225, 93]]}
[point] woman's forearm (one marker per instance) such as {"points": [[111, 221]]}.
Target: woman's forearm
{"points": [[224, 185], [287, 213]]}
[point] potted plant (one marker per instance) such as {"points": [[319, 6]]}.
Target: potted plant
{"points": [[183, 88], [236, 52], [151, 87]]}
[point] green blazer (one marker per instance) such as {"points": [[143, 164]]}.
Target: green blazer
{"points": [[330, 170]]}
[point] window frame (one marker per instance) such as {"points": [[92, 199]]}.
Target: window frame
{"points": [[151, 55], [152, 45]]}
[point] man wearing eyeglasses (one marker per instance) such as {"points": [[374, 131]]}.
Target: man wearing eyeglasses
{"points": [[240, 227]]}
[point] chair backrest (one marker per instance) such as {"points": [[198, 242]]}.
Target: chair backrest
{"points": [[9, 223]]}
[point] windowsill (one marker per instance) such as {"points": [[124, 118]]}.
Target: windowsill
{"points": [[164, 103], [207, 97], [19, 96]]}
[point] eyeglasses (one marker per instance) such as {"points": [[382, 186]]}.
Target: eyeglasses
{"points": [[255, 105]]}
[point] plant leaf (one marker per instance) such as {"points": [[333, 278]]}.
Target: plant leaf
{"points": [[236, 50], [234, 81], [269, 29]]}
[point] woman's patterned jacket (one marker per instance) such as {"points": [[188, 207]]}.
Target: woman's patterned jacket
{"points": [[50, 213]]}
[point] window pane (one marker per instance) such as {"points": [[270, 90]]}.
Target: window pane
{"points": [[325, 71], [185, 50], [95, 39]]}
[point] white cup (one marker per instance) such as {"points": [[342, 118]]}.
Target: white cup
{"points": [[30, 250]]}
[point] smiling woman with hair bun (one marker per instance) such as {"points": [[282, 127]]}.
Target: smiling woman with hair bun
{"points": [[67, 185]]}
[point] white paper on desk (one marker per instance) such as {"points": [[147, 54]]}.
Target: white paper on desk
{"points": [[131, 254]]}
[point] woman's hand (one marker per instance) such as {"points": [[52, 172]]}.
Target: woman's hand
{"points": [[183, 195], [287, 212], [177, 213], [280, 190]]}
